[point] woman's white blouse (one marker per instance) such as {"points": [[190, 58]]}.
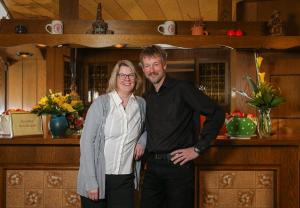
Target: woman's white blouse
{"points": [[121, 132]]}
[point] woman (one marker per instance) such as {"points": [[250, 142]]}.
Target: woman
{"points": [[113, 135]]}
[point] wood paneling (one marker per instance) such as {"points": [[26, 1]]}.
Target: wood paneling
{"points": [[224, 10], [55, 68], [30, 86], [116, 9], [15, 86], [2, 85], [168, 7], [242, 63], [288, 84], [26, 82], [132, 8], [286, 126], [69, 9], [189, 11]]}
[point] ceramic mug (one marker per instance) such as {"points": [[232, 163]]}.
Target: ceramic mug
{"points": [[198, 30], [56, 27], [168, 28]]}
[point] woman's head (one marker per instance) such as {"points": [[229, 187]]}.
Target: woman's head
{"points": [[124, 77]]}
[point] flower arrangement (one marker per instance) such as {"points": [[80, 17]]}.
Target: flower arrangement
{"points": [[57, 104], [264, 95]]}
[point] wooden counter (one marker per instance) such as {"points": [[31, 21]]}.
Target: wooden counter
{"points": [[278, 155]]}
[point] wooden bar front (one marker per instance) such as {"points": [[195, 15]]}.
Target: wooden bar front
{"points": [[278, 155]]}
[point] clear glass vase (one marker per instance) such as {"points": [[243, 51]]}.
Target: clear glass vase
{"points": [[264, 125]]}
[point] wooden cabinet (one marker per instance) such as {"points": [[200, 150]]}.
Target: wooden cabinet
{"points": [[212, 77], [98, 76]]}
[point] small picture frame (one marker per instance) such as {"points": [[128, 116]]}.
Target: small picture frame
{"points": [[26, 124], [5, 127]]}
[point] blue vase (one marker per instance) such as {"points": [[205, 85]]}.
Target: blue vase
{"points": [[58, 125]]}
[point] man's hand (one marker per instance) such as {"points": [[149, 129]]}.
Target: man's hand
{"points": [[93, 194], [182, 156], [138, 151]]}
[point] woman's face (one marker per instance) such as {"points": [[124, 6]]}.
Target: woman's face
{"points": [[126, 80]]}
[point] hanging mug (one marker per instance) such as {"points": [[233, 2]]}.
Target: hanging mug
{"points": [[198, 30], [56, 27], [168, 28]]}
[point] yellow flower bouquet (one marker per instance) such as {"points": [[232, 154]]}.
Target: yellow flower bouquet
{"points": [[57, 104], [264, 96], [64, 111]]}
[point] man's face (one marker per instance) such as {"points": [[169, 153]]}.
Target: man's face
{"points": [[154, 69]]}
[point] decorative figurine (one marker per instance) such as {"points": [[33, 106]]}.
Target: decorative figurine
{"points": [[275, 24], [99, 26]]}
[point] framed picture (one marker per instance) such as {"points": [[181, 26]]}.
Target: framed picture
{"points": [[5, 126], [26, 124]]}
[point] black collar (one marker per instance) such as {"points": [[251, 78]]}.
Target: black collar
{"points": [[167, 83]]}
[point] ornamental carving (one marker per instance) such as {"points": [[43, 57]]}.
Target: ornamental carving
{"points": [[15, 179], [265, 180], [246, 198], [33, 198], [72, 199], [54, 179], [210, 199], [227, 180]]}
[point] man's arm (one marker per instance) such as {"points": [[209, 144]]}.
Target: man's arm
{"points": [[215, 117]]}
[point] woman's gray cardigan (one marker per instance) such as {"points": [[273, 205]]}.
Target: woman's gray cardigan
{"points": [[91, 173]]}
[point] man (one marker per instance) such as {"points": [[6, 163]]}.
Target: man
{"points": [[172, 144]]}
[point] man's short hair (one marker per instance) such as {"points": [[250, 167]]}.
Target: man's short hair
{"points": [[153, 50]]}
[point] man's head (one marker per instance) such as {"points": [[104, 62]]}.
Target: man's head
{"points": [[153, 61]]}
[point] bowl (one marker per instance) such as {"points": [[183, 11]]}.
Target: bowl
{"points": [[240, 127]]}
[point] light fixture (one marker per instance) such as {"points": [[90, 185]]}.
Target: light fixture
{"points": [[119, 45], [23, 54], [40, 45]]}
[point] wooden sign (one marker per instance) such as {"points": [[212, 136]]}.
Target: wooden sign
{"points": [[26, 124]]}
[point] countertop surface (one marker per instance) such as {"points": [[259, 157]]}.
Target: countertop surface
{"points": [[275, 140]]}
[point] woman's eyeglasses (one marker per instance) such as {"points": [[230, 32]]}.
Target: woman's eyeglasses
{"points": [[124, 76]]}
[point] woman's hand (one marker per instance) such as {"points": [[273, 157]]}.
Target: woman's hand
{"points": [[93, 194], [138, 151]]}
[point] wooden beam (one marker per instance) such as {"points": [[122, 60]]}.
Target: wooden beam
{"points": [[225, 10], [69, 9]]}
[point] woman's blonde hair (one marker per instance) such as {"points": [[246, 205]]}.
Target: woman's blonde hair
{"points": [[112, 83]]}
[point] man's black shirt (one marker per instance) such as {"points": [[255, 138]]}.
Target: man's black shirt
{"points": [[170, 114]]}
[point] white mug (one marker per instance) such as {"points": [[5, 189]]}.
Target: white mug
{"points": [[56, 27], [168, 28]]}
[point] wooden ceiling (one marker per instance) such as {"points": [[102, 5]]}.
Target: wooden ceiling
{"points": [[119, 9]]}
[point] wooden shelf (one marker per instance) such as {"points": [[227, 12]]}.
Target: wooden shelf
{"points": [[74, 140], [140, 40]]}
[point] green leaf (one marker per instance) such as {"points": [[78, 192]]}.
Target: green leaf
{"points": [[251, 84], [277, 101]]}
